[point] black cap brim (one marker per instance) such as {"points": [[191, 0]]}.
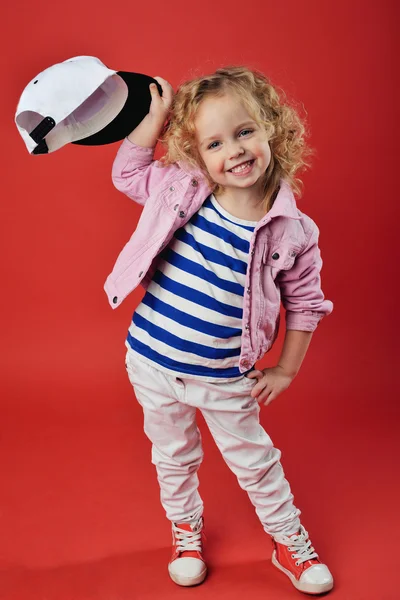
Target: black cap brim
{"points": [[136, 107]]}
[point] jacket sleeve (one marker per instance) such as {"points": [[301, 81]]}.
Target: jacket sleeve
{"points": [[135, 173], [301, 292]]}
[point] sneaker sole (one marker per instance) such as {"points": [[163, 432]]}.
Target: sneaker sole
{"points": [[308, 588], [188, 581]]}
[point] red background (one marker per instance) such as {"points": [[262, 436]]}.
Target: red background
{"points": [[80, 516]]}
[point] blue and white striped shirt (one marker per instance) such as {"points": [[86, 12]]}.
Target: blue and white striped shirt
{"points": [[189, 321]]}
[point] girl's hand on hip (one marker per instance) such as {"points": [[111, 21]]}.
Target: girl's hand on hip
{"points": [[160, 105], [270, 383]]}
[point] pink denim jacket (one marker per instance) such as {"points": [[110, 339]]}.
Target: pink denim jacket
{"points": [[284, 257]]}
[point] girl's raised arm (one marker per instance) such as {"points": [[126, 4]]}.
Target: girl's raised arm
{"points": [[134, 171]]}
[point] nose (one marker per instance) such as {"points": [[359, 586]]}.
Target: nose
{"points": [[235, 149]]}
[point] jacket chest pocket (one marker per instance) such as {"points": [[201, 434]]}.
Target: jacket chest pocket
{"points": [[279, 256]]}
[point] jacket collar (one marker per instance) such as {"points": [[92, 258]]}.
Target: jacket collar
{"points": [[284, 205], [191, 171]]}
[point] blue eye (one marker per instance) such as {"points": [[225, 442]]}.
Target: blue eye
{"points": [[246, 130], [210, 147]]}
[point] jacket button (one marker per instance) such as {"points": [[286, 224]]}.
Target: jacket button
{"points": [[176, 206], [248, 290], [275, 256], [172, 189], [115, 300], [194, 182], [252, 252], [141, 273], [181, 214], [247, 327]]}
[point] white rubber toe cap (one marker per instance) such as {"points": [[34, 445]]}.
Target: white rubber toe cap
{"points": [[317, 579], [187, 571]]}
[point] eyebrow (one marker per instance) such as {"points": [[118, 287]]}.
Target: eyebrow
{"points": [[214, 137]]}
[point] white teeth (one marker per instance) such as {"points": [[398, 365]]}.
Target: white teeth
{"points": [[240, 168]]}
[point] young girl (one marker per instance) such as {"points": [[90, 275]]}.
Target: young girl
{"points": [[220, 242]]}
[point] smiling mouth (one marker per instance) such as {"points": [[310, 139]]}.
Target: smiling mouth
{"points": [[241, 167]]}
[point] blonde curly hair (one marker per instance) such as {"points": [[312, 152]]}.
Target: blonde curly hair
{"points": [[270, 109]]}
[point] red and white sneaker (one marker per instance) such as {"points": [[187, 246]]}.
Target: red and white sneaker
{"points": [[295, 556], [187, 566]]}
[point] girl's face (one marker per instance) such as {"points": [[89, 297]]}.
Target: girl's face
{"points": [[227, 136]]}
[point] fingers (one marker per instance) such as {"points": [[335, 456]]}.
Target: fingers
{"points": [[261, 389], [258, 375], [160, 102], [254, 373], [154, 90], [268, 386], [162, 82], [167, 90], [268, 400], [265, 396]]}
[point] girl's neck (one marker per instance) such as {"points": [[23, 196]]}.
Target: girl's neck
{"points": [[243, 204]]}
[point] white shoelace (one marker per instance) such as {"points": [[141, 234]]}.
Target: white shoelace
{"points": [[300, 545], [188, 540]]}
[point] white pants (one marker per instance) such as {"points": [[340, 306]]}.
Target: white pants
{"points": [[169, 405]]}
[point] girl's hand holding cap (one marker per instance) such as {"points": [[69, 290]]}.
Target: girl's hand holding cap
{"points": [[160, 105]]}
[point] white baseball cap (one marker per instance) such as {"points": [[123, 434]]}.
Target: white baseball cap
{"points": [[81, 101]]}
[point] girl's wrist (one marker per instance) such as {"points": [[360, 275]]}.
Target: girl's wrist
{"points": [[146, 134], [286, 371]]}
